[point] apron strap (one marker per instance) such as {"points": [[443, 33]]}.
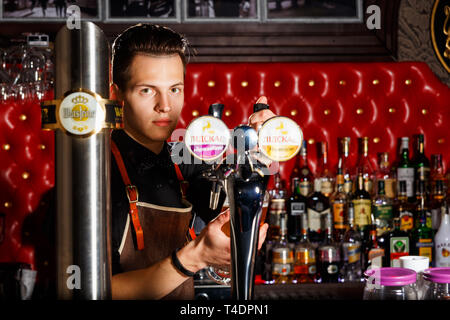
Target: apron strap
{"points": [[184, 186], [132, 194]]}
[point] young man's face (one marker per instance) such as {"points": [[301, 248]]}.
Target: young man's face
{"points": [[154, 97]]}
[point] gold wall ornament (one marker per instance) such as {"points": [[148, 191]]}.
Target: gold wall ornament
{"points": [[440, 32]]}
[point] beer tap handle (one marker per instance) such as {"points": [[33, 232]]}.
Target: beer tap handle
{"points": [[260, 106], [216, 110]]}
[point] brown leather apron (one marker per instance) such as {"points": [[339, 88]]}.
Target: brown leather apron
{"points": [[163, 229]]}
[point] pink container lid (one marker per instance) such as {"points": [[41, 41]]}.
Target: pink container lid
{"points": [[391, 276], [438, 275]]}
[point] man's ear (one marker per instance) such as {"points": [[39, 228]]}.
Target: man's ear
{"points": [[115, 92]]}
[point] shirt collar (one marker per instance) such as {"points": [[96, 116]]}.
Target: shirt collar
{"points": [[142, 158]]}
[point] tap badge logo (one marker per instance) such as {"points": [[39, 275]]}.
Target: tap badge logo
{"points": [[207, 138], [280, 138], [440, 31], [81, 114]]}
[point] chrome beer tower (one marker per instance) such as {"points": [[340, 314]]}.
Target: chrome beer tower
{"points": [[245, 183]]}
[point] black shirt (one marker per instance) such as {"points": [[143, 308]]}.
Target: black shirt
{"points": [[156, 180]]}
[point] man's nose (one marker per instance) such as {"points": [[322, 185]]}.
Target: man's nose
{"points": [[163, 103]]}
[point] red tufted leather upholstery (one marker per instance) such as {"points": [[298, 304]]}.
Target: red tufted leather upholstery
{"points": [[382, 101], [324, 98]]}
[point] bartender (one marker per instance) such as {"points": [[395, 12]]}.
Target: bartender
{"points": [[153, 199]]}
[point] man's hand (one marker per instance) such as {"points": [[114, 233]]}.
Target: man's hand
{"points": [[258, 118]]}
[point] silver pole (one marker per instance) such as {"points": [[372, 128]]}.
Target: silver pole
{"points": [[82, 172]]}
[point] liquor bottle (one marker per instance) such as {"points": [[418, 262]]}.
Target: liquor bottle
{"points": [[422, 204], [421, 163], [364, 166], [385, 173], [329, 264], [339, 202], [276, 207], [302, 172], [437, 171], [374, 254], [438, 200], [343, 166], [363, 208], [305, 256], [398, 245], [351, 251], [404, 209], [324, 173], [422, 243], [296, 207], [405, 170], [442, 239], [382, 210], [317, 206], [282, 256]]}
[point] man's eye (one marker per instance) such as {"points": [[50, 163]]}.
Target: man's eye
{"points": [[148, 91], [176, 90]]}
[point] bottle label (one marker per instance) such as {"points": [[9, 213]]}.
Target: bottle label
{"points": [[352, 252], [368, 185], [282, 269], [383, 211], [314, 219], [280, 138], [362, 209], [305, 188], [348, 186], [406, 174], [425, 247], [406, 220], [442, 254], [207, 138], [389, 188], [375, 256], [332, 269], [282, 255], [297, 208], [399, 247], [338, 215], [326, 187], [423, 173]]}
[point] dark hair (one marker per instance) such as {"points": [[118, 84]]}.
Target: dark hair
{"points": [[146, 39]]}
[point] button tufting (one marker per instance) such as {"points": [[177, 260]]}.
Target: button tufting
{"points": [[195, 113], [6, 147], [211, 83], [294, 112], [408, 82], [326, 112], [391, 110], [42, 146], [25, 175], [277, 84], [311, 83], [424, 111], [441, 140], [23, 117], [311, 141], [244, 84], [359, 111], [376, 140], [228, 113], [376, 81], [342, 82], [7, 204]]}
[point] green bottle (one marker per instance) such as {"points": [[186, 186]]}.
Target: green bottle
{"points": [[421, 162], [405, 170], [423, 237]]}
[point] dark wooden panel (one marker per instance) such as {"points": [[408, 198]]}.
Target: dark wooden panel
{"points": [[253, 41]]}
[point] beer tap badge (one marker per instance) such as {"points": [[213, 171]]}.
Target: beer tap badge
{"points": [[207, 138], [280, 138], [81, 114]]}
